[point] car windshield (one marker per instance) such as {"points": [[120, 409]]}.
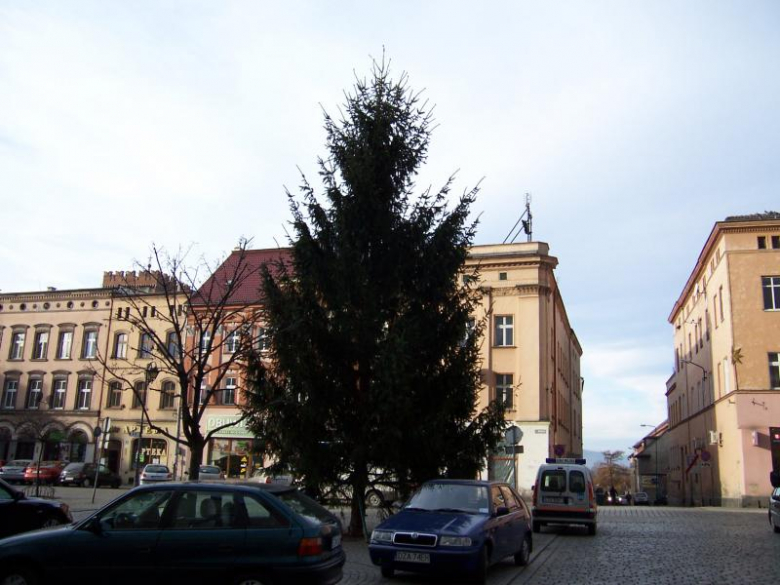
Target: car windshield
{"points": [[451, 497], [74, 467], [18, 463], [554, 481], [209, 469], [304, 505], [156, 469]]}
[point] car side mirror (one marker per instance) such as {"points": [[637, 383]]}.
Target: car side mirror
{"points": [[93, 526], [18, 496], [502, 511]]}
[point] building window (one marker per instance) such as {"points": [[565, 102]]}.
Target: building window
{"points": [[120, 346], [17, 345], [261, 339], [168, 395], [762, 242], [205, 342], [115, 395], [84, 394], [145, 346], [231, 344], [172, 344], [60, 393], [774, 370], [504, 390], [504, 330], [720, 303], [775, 242], [89, 350], [139, 396], [64, 345], [34, 393], [502, 276], [41, 345], [9, 396], [229, 392], [771, 287]]}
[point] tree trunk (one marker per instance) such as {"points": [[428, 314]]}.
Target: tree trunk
{"points": [[357, 516], [196, 456]]}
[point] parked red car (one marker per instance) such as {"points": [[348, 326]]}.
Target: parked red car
{"points": [[49, 472]]}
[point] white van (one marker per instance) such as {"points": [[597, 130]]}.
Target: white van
{"points": [[563, 494]]}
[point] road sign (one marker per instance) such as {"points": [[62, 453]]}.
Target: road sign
{"points": [[706, 455]]}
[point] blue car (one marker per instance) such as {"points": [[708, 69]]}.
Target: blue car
{"points": [[186, 533], [454, 526]]}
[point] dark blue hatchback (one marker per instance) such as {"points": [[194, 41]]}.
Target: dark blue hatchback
{"points": [[233, 534], [454, 526]]}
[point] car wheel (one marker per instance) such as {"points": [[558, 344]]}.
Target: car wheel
{"points": [[374, 499], [775, 527], [388, 572], [524, 554], [537, 526], [480, 574], [86, 482], [19, 576], [591, 529]]}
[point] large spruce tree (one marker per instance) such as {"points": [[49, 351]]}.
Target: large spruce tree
{"points": [[373, 363]]}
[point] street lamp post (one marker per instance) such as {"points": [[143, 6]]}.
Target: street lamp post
{"points": [[149, 376], [655, 456]]}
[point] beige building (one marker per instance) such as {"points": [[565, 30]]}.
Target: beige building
{"points": [[724, 393], [50, 374], [530, 356]]}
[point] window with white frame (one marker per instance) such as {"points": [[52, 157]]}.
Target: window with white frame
{"points": [[504, 327], [59, 394], [145, 346], [115, 394], [64, 345], [205, 342], [89, 349], [229, 392], [261, 339], [34, 393], [9, 396], [771, 288], [40, 345], [120, 346], [232, 341], [504, 390], [204, 391], [84, 397], [17, 345], [774, 371], [168, 395]]}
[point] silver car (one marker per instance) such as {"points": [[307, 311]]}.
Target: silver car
{"points": [[774, 509], [210, 472], [13, 471], [155, 473]]}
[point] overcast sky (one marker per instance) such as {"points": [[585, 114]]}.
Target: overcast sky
{"points": [[634, 125]]}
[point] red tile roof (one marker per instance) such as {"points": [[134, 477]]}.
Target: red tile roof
{"points": [[249, 290]]}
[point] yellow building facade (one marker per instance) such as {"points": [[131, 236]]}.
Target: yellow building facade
{"points": [[724, 393]]}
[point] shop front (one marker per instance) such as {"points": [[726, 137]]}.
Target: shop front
{"points": [[233, 449]]}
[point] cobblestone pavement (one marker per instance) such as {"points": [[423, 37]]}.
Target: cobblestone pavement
{"points": [[634, 545]]}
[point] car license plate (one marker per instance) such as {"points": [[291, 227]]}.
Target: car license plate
{"points": [[336, 541], [412, 557], [549, 500]]}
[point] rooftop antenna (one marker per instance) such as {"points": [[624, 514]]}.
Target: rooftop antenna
{"points": [[525, 222]]}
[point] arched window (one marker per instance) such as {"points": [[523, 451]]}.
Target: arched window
{"points": [[168, 395], [114, 395]]}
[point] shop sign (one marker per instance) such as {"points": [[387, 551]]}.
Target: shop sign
{"points": [[237, 430], [133, 431]]}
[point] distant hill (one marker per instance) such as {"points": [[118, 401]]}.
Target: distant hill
{"points": [[593, 458]]}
